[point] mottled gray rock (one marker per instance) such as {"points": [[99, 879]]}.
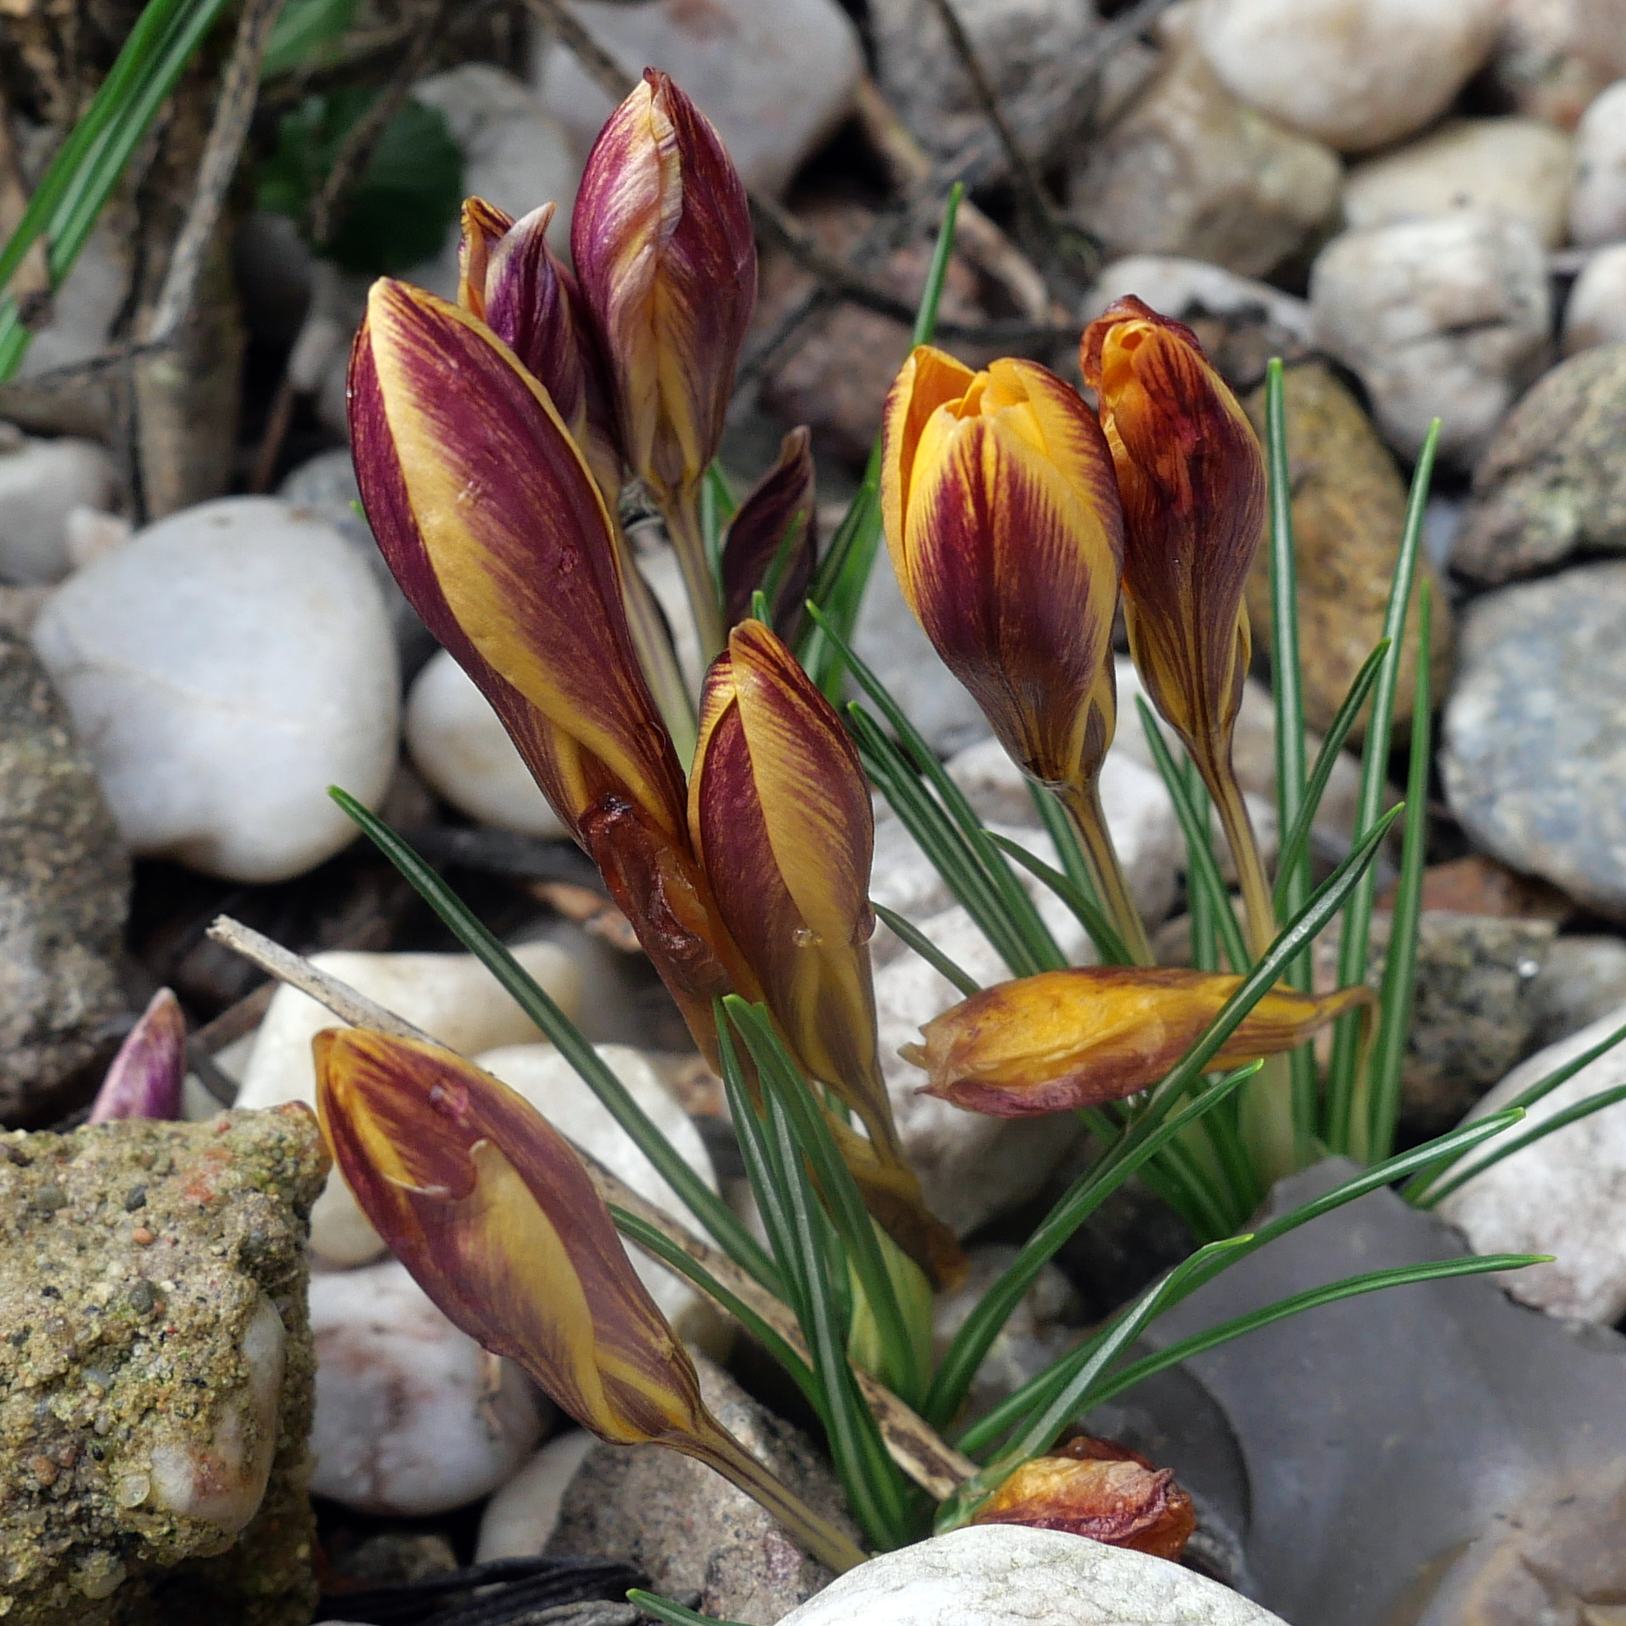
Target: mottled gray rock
{"points": [[1356, 73], [1188, 169], [1564, 1195], [1534, 757], [156, 1392], [1552, 481], [1445, 317], [1598, 203], [1014, 1575], [1400, 1430], [691, 1531], [64, 894], [1515, 167], [1582, 980]]}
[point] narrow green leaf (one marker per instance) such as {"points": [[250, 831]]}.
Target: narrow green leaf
{"points": [[706, 1206], [1205, 870], [1377, 1115], [676, 1614], [1341, 1072], [1109, 946], [717, 508], [305, 35], [913, 938]]}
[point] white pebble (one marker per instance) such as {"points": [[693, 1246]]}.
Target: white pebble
{"points": [[1598, 203], [41, 483], [1596, 312], [520, 1519]]}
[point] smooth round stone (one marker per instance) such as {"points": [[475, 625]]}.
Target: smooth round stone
{"points": [[1448, 317], [461, 748], [555, 1089], [41, 483], [1012, 1575], [1358, 74], [412, 1416], [1516, 167], [1598, 203], [452, 997], [224, 668], [1596, 310], [521, 1518]]}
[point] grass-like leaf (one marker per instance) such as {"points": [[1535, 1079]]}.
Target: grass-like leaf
{"points": [[1344, 1066], [675, 1614], [1377, 1108], [305, 33], [1109, 946], [913, 938], [706, 1206]]}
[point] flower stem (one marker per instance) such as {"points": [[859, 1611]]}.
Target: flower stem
{"points": [[656, 656], [1083, 804], [813, 1534], [689, 541]]}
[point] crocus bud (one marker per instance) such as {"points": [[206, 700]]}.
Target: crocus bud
{"points": [[772, 542], [1003, 521], [661, 238], [1192, 478], [146, 1076], [1100, 1490], [490, 520], [1080, 1038]]}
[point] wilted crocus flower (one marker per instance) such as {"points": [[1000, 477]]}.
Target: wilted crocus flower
{"points": [[781, 822], [1004, 525], [661, 238], [493, 1212], [145, 1078], [1100, 1490], [1192, 477], [772, 542], [1080, 1038]]}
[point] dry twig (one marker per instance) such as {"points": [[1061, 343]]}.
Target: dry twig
{"points": [[916, 1448]]}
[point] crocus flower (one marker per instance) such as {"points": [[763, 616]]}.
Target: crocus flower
{"points": [[145, 1078], [661, 238], [772, 541], [1100, 1490], [1192, 477], [781, 822], [498, 1220], [1002, 518], [1080, 1038]]}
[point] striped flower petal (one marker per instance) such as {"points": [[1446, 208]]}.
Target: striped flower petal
{"points": [[1192, 477], [1004, 525], [495, 529], [1080, 1038], [661, 238], [772, 542], [145, 1078]]}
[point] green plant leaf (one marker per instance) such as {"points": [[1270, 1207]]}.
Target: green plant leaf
{"points": [[676, 1614], [404, 202], [1079, 903], [913, 938], [1352, 946], [305, 35], [707, 1207]]}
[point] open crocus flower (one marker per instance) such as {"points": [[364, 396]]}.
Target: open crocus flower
{"points": [[1192, 477], [1002, 518], [781, 821], [1080, 1038], [498, 1220], [1100, 1490]]}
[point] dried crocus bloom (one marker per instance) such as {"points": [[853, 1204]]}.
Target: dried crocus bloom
{"points": [[1100, 1490], [1080, 1038]]}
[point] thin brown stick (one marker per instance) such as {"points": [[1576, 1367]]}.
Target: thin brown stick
{"points": [[916, 1448]]}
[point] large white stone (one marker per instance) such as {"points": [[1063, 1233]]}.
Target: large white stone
{"points": [[452, 997], [1564, 1195], [1447, 316], [224, 668], [460, 747], [1186, 288], [1598, 203], [1013, 1575], [1517, 167], [41, 483], [1596, 310], [412, 1416], [555, 1089], [1356, 73], [520, 1519], [775, 79]]}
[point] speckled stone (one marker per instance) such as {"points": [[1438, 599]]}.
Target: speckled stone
{"points": [[1534, 757], [1349, 510], [1552, 482], [64, 894], [155, 1390], [692, 1531]]}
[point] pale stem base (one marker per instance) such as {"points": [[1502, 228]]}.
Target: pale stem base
{"points": [[682, 515], [1083, 805]]}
